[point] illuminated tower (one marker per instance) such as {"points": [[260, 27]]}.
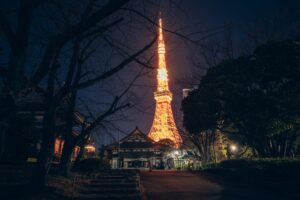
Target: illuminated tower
{"points": [[163, 126]]}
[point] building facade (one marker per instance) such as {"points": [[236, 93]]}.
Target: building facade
{"points": [[136, 150]]}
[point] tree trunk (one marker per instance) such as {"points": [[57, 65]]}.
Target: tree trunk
{"points": [[70, 139], [3, 142], [44, 159], [80, 154], [65, 163], [38, 179]]}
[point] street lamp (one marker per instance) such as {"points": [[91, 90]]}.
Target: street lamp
{"points": [[233, 148], [176, 153]]}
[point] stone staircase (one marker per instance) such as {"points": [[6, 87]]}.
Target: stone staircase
{"points": [[111, 185]]}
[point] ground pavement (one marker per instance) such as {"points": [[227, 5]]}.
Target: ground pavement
{"points": [[183, 185]]}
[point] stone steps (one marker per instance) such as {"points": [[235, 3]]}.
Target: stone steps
{"points": [[109, 197], [114, 179], [107, 185], [96, 190], [111, 186], [99, 181]]}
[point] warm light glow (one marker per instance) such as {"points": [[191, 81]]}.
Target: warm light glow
{"points": [[176, 153], [162, 74], [233, 148], [163, 126], [90, 148]]}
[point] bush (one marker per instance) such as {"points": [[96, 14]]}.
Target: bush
{"points": [[91, 165], [269, 168], [209, 165]]}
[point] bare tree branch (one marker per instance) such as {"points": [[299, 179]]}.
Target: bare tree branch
{"points": [[7, 30], [185, 37], [124, 52], [71, 32], [116, 69], [20, 42], [110, 111], [71, 70]]}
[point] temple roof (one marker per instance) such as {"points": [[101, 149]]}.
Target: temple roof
{"points": [[136, 139], [136, 136]]}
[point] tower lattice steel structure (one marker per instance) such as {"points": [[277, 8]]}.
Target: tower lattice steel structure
{"points": [[163, 126]]}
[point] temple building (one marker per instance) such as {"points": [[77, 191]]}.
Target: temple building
{"points": [[30, 110], [136, 150]]}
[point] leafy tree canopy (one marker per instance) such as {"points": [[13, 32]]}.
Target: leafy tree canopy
{"points": [[255, 99]]}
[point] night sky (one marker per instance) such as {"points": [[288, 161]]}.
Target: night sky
{"points": [[199, 16], [271, 19]]}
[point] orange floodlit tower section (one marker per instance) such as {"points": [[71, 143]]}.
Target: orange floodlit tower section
{"points": [[163, 126]]}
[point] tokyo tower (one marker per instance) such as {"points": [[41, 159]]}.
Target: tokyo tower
{"points": [[163, 126]]}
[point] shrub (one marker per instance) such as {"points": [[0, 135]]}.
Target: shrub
{"points": [[269, 168], [209, 165]]}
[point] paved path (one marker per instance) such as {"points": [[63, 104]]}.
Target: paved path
{"points": [[179, 185]]}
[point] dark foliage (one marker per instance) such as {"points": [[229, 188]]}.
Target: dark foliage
{"points": [[254, 99], [268, 169], [281, 176], [22, 137]]}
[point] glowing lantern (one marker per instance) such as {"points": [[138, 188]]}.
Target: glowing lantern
{"points": [[90, 148]]}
